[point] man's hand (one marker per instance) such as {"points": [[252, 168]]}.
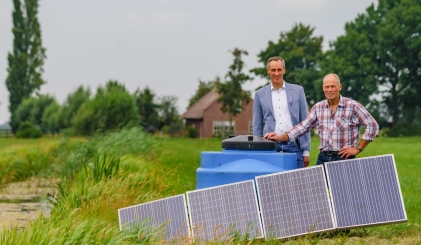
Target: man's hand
{"points": [[273, 136], [347, 152], [306, 161]]}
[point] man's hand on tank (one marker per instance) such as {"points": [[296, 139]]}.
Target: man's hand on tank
{"points": [[278, 138]]}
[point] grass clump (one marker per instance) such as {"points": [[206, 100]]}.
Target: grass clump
{"points": [[103, 166]]}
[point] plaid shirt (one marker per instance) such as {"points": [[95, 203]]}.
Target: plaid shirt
{"points": [[340, 129]]}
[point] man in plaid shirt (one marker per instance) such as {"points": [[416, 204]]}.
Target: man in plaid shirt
{"points": [[338, 120]]}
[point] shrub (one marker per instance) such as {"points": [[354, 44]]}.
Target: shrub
{"points": [[192, 132], [401, 130], [32, 110], [27, 130]]}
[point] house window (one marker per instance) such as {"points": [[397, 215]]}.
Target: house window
{"points": [[222, 127], [251, 127]]}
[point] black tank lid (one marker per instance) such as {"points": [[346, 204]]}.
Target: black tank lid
{"points": [[248, 142]]}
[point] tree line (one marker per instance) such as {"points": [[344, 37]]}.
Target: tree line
{"points": [[110, 108], [378, 59]]}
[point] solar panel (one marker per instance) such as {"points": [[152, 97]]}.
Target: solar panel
{"points": [[166, 218], [220, 212], [294, 203], [365, 191]]}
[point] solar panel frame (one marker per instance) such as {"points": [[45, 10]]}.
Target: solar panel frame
{"points": [[217, 212], [294, 203], [377, 178], [167, 215]]}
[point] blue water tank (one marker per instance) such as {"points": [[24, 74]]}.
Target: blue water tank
{"points": [[243, 157]]}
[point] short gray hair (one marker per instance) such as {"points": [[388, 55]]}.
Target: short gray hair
{"points": [[275, 58], [333, 74]]}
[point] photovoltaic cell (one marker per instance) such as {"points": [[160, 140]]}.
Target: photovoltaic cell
{"points": [[167, 218], [217, 213], [365, 191], [294, 203]]}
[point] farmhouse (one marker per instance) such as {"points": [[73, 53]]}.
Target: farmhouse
{"points": [[206, 116]]}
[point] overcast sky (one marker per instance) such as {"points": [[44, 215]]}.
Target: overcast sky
{"points": [[166, 45]]}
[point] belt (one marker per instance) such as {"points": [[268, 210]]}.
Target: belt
{"points": [[329, 153]]}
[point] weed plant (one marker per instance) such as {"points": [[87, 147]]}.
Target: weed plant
{"points": [[104, 165]]}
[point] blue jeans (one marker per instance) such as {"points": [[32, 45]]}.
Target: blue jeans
{"points": [[322, 158], [292, 148]]}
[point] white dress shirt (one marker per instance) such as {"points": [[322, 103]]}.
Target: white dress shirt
{"points": [[281, 112]]}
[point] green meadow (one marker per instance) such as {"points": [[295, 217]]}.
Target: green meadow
{"points": [[97, 176]]}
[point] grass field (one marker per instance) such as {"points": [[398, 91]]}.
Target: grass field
{"points": [[85, 206]]}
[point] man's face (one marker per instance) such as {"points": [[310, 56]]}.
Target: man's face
{"points": [[331, 88], [276, 71]]}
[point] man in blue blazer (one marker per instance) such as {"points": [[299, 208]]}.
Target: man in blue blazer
{"points": [[280, 106]]}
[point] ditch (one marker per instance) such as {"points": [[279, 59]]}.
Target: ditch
{"points": [[23, 202]]}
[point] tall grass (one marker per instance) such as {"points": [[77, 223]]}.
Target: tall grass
{"points": [[85, 207], [103, 166]]}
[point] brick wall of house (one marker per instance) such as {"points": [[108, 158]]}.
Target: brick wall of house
{"points": [[242, 120]]}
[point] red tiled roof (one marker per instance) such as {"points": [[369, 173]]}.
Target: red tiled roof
{"points": [[196, 111]]}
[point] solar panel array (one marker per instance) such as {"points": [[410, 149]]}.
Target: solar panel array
{"points": [[166, 218], [219, 212], [294, 203], [365, 191]]}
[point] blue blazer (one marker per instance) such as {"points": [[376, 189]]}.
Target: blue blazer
{"points": [[263, 118]]}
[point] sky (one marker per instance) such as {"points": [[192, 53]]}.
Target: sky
{"points": [[166, 45]]}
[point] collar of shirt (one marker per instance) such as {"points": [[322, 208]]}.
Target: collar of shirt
{"points": [[273, 88], [341, 102]]}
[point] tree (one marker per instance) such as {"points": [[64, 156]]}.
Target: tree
{"points": [[113, 107], [399, 54], [72, 104], [204, 88], [32, 109], [167, 111], [232, 97], [147, 108], [52, 120], [302, 52], [27, 57]]}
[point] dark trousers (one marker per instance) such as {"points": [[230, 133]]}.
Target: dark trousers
{"points": [[292, 148], [329, 157]]}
